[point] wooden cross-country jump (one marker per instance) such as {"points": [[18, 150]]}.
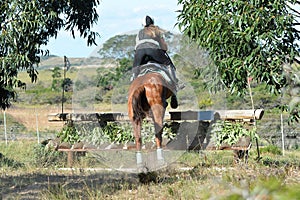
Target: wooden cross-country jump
{"points": [[203, 118]]}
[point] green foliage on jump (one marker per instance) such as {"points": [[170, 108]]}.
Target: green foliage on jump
{"points": [[230, 133], [69, 133], [119, 133]]}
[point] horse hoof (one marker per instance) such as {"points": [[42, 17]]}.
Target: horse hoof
{"points": [[174, 102]]}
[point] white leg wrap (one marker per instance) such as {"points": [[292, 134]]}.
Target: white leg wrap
{"points": [[159, 154], [139, 158]]}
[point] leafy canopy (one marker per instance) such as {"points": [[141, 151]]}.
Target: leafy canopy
{"points": [[245, 39], [25, 26]]}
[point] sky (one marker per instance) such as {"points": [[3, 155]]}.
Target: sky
{"points": [[117, 17]]}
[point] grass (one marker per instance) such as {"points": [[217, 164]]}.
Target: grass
{"points": [[211, 175], [27, 171]]}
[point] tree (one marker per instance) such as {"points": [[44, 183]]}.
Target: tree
{"points": [[25, 26], [56, 79], [253, 38], [67, 85], [108, 78], [125, 65], [119, 46]]}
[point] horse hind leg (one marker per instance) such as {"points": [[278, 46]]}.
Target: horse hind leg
{"points": [[158, 112], [137, 125]]}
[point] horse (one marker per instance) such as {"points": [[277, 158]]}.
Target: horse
{"points": [[147, 97]]}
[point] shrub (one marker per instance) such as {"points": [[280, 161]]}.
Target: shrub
{"points": [[69, 133], [272, 149], [112, 132], [120, 133], [4, 161], [47, 157], [230, 133]]}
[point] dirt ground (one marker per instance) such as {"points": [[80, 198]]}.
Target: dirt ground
{"points": [[114, 184], [31, 186]]}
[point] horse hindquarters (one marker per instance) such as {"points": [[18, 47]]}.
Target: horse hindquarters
{"points": [[147, 96]]}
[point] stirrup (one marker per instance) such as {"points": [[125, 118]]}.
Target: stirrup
{"points": [[180, 85], [132, 77]]}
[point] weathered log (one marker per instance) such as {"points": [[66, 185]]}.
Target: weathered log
{"points": [[105, 117], [241, 114], [218, 114]]}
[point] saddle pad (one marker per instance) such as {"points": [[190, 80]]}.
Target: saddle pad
{"points": [[155, 68]]}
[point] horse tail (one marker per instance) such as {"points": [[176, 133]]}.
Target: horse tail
{"points": [[136, 107]]}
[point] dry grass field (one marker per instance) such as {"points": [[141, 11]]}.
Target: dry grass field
{"points": [[33, 117]]}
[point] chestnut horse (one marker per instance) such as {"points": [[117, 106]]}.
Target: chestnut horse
{"points": [[147, 98]]}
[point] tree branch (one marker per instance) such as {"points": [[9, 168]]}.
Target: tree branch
{"points": [[297, 61], [296, 11]]}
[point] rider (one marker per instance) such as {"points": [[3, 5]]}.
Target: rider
{"points": [[150, 45]]}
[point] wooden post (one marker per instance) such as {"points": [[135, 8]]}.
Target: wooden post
{"points": [[37, 126], [63, 86], [282, 133], [70, 158], [257, 148], [5, 131], [72, 153]]}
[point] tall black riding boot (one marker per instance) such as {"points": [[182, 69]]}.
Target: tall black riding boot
{"points": [[174, 102], [171, 70]]}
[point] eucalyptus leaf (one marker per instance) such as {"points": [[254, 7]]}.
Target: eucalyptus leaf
{"points": [[262, 34], [25, 26]]}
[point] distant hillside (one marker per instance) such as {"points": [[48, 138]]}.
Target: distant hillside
{"points": [[90, 62], [106, 54], [122, 45]]}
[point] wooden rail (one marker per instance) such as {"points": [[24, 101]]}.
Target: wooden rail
{"points": [[105, 117], [246, 115], [71, 154]]}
